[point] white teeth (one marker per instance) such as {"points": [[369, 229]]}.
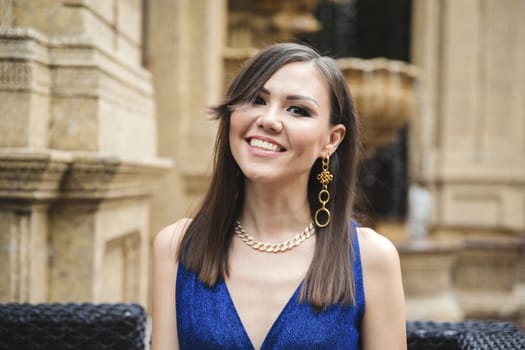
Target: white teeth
{"points": [[264, 145]]}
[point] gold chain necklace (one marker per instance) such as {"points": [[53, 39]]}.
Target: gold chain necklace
{"points": [[274, 247]]}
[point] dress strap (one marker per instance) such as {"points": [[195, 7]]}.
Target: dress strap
{"points": [[357, 269]]}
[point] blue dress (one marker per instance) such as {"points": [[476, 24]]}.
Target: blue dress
{"points": [[207, 318]]}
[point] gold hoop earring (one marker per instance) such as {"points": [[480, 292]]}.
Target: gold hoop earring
{"points": [[324, 177]]}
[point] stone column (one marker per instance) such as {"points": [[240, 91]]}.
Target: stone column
{"points": [[468, 146], [77, 151], [184, 49]]}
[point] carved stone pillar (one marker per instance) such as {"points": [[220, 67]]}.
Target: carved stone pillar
{"points": [[28, 182], [185, 39], [76, 220]]}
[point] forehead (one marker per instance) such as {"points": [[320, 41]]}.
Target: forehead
{"points": [[302, 78]]}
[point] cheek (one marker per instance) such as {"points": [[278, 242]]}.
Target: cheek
{"points": [[235, 126], [238, 128], [239, 122], [311, 139]]}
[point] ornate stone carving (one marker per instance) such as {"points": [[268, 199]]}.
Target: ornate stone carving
{"points": [[256, 23], [31, 175], [98, 177], [384, 92], [15, 75]]}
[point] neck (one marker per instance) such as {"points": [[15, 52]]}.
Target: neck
{"points": [[273, 212]]}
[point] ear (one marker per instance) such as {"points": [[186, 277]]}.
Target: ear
{"points": [[337, 134]]}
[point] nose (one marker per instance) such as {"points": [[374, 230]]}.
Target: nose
{"points": [[269, 120]]}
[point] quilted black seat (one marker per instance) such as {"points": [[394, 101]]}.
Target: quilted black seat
{"points": [[465, 335], [76, 326]]}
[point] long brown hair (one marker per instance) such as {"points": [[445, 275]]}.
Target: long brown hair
{"points": [[204, 248]]}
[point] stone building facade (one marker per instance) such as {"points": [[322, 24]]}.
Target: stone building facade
{"points": [[101, 102], [468, 146], [78, 152]]}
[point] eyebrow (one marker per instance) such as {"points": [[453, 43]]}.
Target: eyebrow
{"points": [[293, 97]]}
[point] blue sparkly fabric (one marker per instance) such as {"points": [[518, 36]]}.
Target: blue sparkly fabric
{"points": [[207, 318]]}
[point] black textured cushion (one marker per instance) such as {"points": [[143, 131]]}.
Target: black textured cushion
{"points": [[76, 326], [466, 335]]}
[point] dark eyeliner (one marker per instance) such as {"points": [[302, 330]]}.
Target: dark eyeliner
{"points": [[300, 111], [258, 100]]}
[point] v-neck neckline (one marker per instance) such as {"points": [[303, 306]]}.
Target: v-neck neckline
{"points": [[274, 323]]}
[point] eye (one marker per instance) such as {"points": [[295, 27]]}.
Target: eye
{"points": [[258, 100], [299, 111]]}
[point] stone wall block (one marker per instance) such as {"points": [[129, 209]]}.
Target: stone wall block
{"points": [[502, 206], [129, 20], [14, 119], [122, 229], [74, 124], [101, 105], [120, 270], [53, 17], [24, 92], [72, 244]]}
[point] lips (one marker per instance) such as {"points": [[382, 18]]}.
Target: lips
{"points": [[265, 145]]}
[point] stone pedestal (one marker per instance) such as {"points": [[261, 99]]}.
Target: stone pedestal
{"points": [[487, 275], [427, 268]]}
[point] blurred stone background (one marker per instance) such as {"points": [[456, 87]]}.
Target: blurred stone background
{"points": [[105, 136]]}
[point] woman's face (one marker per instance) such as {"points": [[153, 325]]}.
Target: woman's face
{"points": [[279, 135]]}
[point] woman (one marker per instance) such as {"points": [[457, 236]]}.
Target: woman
{"points": [[272, 260]]}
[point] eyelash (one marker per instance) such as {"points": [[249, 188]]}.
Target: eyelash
{"points": [[258, 100], [299, 111]]}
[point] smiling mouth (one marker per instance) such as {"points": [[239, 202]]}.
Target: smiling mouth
{"points": [[265, 145]]}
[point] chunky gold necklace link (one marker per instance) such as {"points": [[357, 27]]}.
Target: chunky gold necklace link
{"points": [[274, 247]]}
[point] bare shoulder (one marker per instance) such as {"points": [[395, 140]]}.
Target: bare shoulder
{"points": [[168, 239], [385, 307], [164, 334], [377, 251]]}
